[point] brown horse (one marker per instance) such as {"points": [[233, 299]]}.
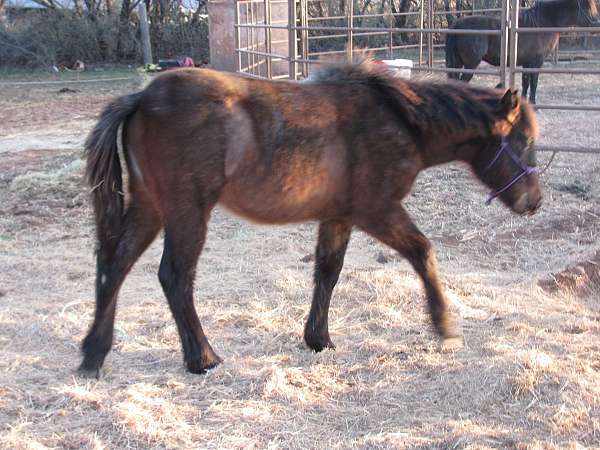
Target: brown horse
{"points": [[468, 50], [343, 149]]}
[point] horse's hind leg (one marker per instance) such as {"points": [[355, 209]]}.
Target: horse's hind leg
{"points": [[113, 261], [184, 238], [395, 228], [331, 248]]}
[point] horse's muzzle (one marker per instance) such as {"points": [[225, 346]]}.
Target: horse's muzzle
{"points": [[528, 203]]}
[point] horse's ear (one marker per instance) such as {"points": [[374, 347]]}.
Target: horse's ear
{"points": [[510, 103]]}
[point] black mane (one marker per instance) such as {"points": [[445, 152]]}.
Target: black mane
{"points": [[449, 108]]}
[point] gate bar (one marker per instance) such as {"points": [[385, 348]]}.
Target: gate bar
{"points": [[292, 39], [503, 40], [350, 23], [513, 41]]}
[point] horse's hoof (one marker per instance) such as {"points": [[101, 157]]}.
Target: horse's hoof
{"points": [[202, 365], [452, 344], [84, 372], [319, 345]]}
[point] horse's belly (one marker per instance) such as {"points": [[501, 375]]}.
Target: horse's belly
{"points": [[295, 187], [273, 209]]}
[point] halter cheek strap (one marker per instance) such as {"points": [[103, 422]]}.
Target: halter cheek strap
{"points": [[525, 169]]}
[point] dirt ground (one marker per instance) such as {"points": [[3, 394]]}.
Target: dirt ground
{"points": [[528, 377]]}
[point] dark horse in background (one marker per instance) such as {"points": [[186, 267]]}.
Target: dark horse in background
{"points": [[342, 149], [468, 50]]}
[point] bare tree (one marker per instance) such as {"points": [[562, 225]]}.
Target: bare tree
{"points": [[399, 21], [50, 4]]}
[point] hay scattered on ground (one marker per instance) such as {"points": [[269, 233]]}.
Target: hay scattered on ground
{"points": [[528, 377]]}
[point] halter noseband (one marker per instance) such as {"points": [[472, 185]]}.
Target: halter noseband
{"points": [[525, 168]]}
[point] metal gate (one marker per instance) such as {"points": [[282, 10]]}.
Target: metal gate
{"points": [[279, 39]]}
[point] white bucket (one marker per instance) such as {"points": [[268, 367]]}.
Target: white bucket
{"points": [[400, 67]]}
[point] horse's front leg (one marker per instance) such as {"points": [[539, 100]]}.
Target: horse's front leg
{"points": [[395, 229], [331, 248]]}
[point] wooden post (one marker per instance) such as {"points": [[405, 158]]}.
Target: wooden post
{"points": [[145, 31], [225, 38]]}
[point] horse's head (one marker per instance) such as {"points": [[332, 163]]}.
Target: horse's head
{"points": [[506, 163], [585, 12]]}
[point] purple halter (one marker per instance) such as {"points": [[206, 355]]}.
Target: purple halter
{"points": [[525, 169]]}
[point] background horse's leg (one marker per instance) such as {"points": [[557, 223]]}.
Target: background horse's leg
{"points": [[525, 84], [184, 238], [114, 260], [331, 248], [533, 78], [396, 229], [533, 81], [466, 77]]}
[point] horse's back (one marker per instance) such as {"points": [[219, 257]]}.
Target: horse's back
{"points": [[473, 48], [476, 23], [287, 155]]}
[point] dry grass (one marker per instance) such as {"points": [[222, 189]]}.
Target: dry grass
{"points": [[528, 377]]}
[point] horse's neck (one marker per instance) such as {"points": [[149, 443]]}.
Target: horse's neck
{"points": [[532, 17], [543, 14], [454, 141], [445, 149], [443, 117]]}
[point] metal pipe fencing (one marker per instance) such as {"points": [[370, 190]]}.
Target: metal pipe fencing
{"points": [[299, 35]]}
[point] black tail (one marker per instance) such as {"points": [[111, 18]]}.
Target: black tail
{"points": [[453, 60], [103, 169]]}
